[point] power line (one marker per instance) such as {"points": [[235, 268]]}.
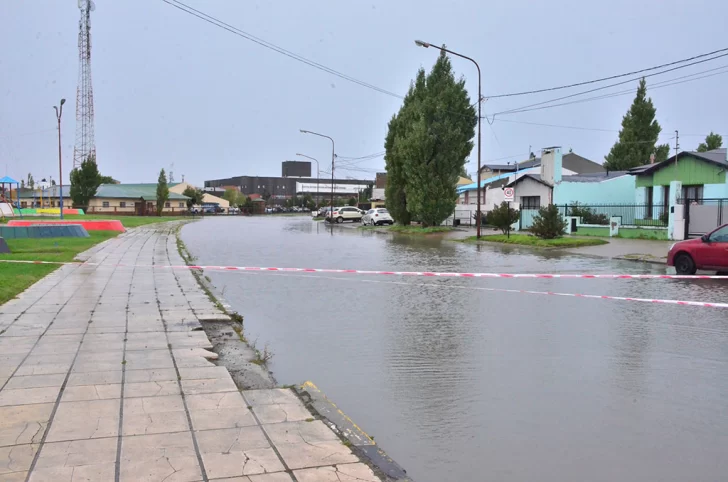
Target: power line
{"points": [[658, 85], [607, 78], [559, 126], [611, 85], [219, 23]]}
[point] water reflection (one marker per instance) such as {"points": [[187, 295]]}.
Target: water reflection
{"points": [[453, 380]]}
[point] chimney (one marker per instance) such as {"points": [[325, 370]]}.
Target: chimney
{"points": [[551, 164]]}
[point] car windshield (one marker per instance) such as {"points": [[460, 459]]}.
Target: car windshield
{"points": [[382, 211]]}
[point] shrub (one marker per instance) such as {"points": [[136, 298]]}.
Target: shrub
{"points": [[548, 223], [587, 215], [483, 218], [503, 216]]}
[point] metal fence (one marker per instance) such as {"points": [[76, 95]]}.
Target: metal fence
{"points": [[704, 215], [630, 214]]}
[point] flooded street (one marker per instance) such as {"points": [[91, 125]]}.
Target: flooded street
{"points": [[461, 384]]}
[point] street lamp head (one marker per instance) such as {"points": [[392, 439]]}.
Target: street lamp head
{"points": [[303, 131], [63, 101], [420, 43]]}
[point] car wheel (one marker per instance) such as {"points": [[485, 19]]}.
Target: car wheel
{"points": [[339, 220], [684, 264]]}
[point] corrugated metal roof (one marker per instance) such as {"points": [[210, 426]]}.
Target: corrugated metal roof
{"points": [[133, 191]]}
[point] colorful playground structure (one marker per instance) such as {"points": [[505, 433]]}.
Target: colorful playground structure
{"points": [[10, 207]]}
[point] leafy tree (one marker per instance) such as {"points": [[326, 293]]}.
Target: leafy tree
{"points": [[85, 181], [352, 201], [712, 141], [503, 217], [162, 192], [22, 184], [638, 135], [432, 138], [195, 196], [231, 196], [108, 180], [548, 223], [31, 181]]}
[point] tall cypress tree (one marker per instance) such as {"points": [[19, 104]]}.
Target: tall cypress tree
{"points": [[638, 136]]}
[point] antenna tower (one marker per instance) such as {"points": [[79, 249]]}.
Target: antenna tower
{"points": [[85, 145]]}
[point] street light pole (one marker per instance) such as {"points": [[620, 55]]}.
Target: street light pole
{"points": [[59, 113], [480, 98], [318, 174], [333, 155]]}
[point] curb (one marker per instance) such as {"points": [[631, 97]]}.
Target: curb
{"points": [[360, 442]]}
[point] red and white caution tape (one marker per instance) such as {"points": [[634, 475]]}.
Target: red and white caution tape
{"points": [[465, 275], [405, 273]]}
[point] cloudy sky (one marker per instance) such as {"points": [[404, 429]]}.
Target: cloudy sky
{"points": [[172, 89]]}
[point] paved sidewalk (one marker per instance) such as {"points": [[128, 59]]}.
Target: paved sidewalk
{"points": [[105, 375]]}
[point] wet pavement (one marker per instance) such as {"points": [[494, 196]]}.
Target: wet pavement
{"points": [[105, 375], [457, 383]]}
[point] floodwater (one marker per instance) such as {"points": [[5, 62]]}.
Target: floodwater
{"points": [[461, 384]]}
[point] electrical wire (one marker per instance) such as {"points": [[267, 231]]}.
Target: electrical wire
{"points": [[520, 109], [560, 126], [219, 23], [658, 85], [612, 77]]}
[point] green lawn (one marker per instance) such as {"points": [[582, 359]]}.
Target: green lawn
{"points": [[14, 278], [527, 240]]}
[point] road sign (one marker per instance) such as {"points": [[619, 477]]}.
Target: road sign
{"points": [[508, 194]]}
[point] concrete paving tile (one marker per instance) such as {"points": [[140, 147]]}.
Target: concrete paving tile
{"points": [[15, 477], [339, 473], [234, 464], [49, 349], [26, 396], [94, 378], [300, 433], [282, 412], [200, 373], [103, 338], [238, 439], [91, 392], [22, 424], [211, 385], [147, 359], [221, 418], [159, 457], [19, 330], [16, 458], [149, 375], [151, 389], [269, 397], [78, 452], [84, 420], [151, 423], [74, 474], [304, 455], [61, 358], [214, 401], [37, 381], [276, 477], [94, 328], [43, 369], [147, 405]]}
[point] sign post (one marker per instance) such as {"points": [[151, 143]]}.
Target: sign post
{"points": [[508, 194]]}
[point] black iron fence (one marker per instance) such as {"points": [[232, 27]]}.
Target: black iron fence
{"points": [[630, 214]]}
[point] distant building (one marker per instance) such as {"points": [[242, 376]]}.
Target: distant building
{"points": [[281, 188]]}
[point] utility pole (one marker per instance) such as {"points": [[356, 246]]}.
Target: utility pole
{"points": [[333, 156], [677, 146], [59, 113]]}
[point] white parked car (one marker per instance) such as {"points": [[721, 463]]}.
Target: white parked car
{"points": [[377, 217], [346, 213]]}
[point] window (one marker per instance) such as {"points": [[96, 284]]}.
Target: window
{"points": [[167, 205], [382, 211], [371, 211], [182, 205], [122, 204], [105, 204], [530, 202], [720, 236], [693, 193]]}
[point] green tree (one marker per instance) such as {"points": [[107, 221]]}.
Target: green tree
{"points": [[503, 217], [638, 135], [712, 141], [352, 201], [31, 181], [195, 196], [162, 192], [85, 181], [427, 145], [231, 196], [108, 180], [22, 184], [548, 223]]}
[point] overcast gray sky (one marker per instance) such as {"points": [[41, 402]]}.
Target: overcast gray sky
{"points": [[170, 88]]}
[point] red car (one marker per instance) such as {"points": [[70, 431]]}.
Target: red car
{"points": [[709, 252]]}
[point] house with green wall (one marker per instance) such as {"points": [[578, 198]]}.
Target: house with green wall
{"points": [[702, 175]]}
